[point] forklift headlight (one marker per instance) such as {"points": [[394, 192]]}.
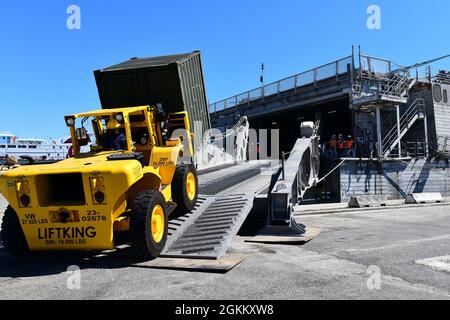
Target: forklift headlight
{"points": [[119, 118], [99, 197], [70, 122], [144, 140], [25, 200], [98, 189], [23, 193]]}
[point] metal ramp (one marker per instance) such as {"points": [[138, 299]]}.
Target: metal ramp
{"points": [[207, 232], [225, 179], [228, 196]]}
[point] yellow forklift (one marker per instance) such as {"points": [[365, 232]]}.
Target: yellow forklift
{"points": [[130, 179]]}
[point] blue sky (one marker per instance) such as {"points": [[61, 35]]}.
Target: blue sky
{"points": [[46, 69]]}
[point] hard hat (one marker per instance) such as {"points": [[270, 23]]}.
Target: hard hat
{"points": [[349, 136], [333, 136], [113, 124]]}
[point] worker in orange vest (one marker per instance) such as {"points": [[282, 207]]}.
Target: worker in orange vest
{"points": [[349, 143], [333, 146], [341, 145]]}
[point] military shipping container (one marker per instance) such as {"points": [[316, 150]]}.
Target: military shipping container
{"points": [[176, 82]]}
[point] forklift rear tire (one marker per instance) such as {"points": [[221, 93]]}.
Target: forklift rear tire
{"points": [[149, 224], [13, 237], [185, 188]]}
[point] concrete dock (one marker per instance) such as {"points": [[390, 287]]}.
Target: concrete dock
{"points": [[407, 245]]}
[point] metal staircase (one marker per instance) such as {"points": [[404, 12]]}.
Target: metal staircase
{"points": [[382, 88], [414, 112]]}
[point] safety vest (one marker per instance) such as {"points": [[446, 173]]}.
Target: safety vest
{"points": [[333, 144], [349, 144]]}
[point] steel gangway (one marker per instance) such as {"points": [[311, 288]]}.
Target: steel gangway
{"points": [[229, 195]]}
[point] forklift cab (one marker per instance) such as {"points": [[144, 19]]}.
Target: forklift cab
{"points": [[142, 129]]}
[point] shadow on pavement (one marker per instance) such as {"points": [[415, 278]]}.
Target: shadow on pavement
{"points": [[50, 263]]}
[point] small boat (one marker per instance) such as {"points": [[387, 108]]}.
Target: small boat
{"points": [[37, 149]]}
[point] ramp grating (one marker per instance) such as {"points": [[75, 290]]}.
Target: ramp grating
{"points": [[240, 174], [207, 232]]}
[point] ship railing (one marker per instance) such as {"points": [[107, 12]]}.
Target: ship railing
{"points": [[313, 76]]}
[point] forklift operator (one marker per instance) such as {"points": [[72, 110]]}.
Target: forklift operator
{"points": [[114, 138], [166, 128]]}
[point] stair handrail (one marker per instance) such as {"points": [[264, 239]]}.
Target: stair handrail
{"points": [[393, 84], [392, 136], [414, 109], [404, 119], [399, 82]]}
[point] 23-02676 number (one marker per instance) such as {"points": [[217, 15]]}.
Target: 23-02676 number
{"points": [[93, 216]]}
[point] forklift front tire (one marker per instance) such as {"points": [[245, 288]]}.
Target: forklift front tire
{"points": [[149, 224]]}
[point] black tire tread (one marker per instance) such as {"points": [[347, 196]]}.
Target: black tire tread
{"points": [[179, 196], [13, 237], [142, 241]]}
